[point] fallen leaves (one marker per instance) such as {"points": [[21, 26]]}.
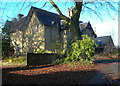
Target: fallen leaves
{"points": [[56, 74]]}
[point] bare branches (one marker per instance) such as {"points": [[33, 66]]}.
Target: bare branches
{"points": [[22, 5], [111, 6], [32, 4], [44, 4], [107, 5], [97, 13], [57, 9], [109, 13]]}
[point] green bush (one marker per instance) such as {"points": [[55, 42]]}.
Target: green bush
{"points": [[81, 50], [58, 61], [58, 47], [39, 50], [16, 60]]}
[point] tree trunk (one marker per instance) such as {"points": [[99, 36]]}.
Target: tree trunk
{"points": [[74, 28], [74, 22]]}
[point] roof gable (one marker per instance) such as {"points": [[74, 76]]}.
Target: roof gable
{"points": [[46, 17], [20, 25], [87, 25], [104, 40]]}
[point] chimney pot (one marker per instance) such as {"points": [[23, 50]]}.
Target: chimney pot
{"points": [[68, 12], [20, 16], [68, 8]]}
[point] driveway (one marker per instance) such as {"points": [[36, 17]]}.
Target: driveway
{"points": [[109, 72]]}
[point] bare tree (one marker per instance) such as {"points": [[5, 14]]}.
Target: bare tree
{"points": [[73, 22]]}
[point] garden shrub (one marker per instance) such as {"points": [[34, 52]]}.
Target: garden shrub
{"points": [[118, 52], [58, 61], [81, 50], [39, 50], [58, 47], [16, 60]]}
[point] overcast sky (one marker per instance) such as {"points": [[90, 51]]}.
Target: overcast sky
{"points": [[107, 25]]}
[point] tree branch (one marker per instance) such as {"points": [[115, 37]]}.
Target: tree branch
{"points": [[57, 9], [32, 4], [111, 6], [94, 12], [22, 5], [44, 4]]}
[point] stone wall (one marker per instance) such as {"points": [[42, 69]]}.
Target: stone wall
{"points": [[40, 59], [51, 33], [34, 35], [16, 41]]}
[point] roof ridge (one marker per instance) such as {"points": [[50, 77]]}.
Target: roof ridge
{"points": [[105, 36], [44, 10]]}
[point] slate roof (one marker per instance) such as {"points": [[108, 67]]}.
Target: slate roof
{"points": [[20, 25], [86, 25], [44, 16], [47, 17], [83, 25], [104, 40]]}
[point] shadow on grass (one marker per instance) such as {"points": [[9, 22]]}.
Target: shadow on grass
{"points": [[61, 77], [105, 61]]}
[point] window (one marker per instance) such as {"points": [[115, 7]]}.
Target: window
{"points": [[35, 29], [17, 48], [62, 22], [35, 45], [53, 32], [87, 34]]}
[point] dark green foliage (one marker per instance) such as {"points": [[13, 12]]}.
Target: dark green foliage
{"points": [[81, 50], [58, 61], [6, 49], [58, 47], [39, 50], [16, 60]]}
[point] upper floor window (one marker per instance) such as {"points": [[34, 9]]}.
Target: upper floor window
{"points": [[53, 32], [35, 45], [35, 29]]}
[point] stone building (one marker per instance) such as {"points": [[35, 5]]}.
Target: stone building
{"points": [[39, 29], [105, 43]]}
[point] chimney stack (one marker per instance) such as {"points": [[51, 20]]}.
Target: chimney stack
{"points": [[20, 16], [68, 12], [71, 11]]}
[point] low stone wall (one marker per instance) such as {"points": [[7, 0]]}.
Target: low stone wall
{"points": [[40, 59]]}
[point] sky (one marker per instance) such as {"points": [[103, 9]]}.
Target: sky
{"points": [[106, 24]]}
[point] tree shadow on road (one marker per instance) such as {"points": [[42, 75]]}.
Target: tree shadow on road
{"points": [[27, 67], [105, 61], [61, 77]]}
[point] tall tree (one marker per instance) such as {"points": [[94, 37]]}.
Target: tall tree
{"points": [[73, 22], [6, 48]]}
